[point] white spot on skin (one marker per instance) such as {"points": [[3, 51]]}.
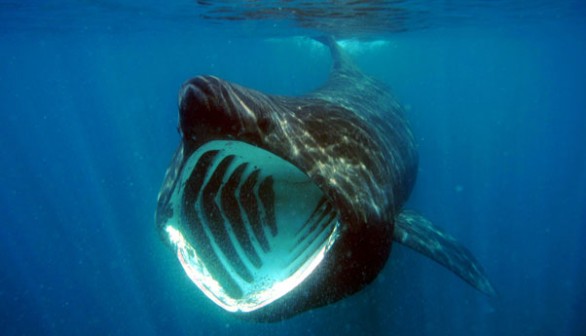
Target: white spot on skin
{"points": [[295, 150], [246, 108]]}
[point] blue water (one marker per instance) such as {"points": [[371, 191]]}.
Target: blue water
{"points": [[88, 94]]}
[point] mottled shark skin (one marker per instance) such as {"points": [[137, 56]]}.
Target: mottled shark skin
{"points": [[343, 155]]}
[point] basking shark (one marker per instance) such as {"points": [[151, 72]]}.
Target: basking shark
{"points": [[276, 205]]}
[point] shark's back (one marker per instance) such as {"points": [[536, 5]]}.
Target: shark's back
{"points": [[373, 103]]}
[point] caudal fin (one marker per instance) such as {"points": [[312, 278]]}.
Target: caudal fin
{"points": [[418, 233]]}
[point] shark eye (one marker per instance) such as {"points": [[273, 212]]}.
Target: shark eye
{"points": [[252, 225]]}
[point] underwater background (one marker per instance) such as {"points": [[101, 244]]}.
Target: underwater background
{"points": [[495, 92]]}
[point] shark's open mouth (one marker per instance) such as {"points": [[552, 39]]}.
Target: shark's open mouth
{"points": [[251, 227]]}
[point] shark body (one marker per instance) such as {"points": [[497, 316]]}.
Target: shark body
{"points": [[276, 205]]}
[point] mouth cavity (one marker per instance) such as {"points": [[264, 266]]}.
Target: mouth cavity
{"points": [[249, 225]]}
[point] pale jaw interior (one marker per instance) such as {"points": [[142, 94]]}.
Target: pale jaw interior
{"points": [[248, 226]]}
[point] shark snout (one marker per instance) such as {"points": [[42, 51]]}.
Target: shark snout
{"points": [[213, 109], [204, 109], [193, 96]]}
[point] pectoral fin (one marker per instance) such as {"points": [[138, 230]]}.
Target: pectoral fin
{"points": [[418, 233]]}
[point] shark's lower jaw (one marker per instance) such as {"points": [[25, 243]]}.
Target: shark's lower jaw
{"points": [[248, 226]]}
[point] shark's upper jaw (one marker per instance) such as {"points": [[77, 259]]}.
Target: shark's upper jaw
{"points": [[247, 226]]}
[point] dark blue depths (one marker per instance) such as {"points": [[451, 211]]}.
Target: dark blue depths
{"points": [[88, 126]]}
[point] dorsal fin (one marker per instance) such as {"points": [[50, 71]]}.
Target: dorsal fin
{"points": [[346, 82], [342, 63]]}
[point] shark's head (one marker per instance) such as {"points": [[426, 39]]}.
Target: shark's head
{"points": [[274, 205]]}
